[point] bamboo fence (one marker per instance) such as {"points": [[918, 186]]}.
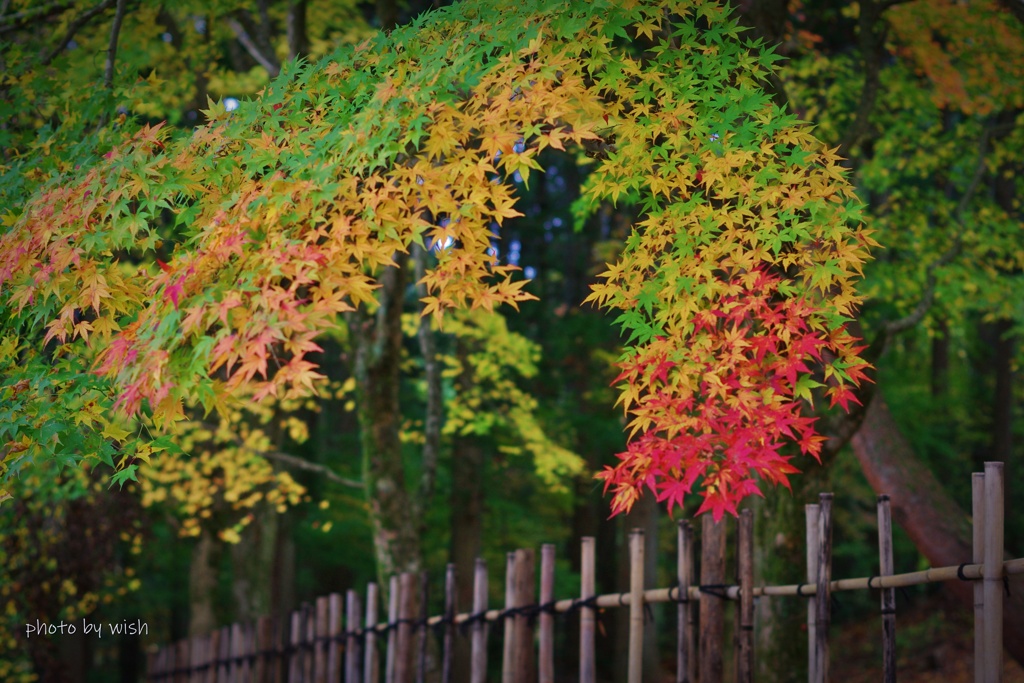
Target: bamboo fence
{"points": [[334, 639]]}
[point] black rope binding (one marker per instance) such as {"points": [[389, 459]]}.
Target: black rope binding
{"points": [[479, 617], [578, 604], [719, 590], [960, 572]]}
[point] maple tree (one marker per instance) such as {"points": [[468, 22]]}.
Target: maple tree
{"points": [[288, 211]]}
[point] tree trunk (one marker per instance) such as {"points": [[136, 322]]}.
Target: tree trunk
{"points": [[934, 522], [377, 343], [940, 362], [467, 510], [253, 565], [1002, 408], [202, 582]]}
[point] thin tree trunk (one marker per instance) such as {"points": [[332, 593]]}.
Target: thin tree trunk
{"points": [[201, 586], [253, 565], [1002, 409], [377, 343], [940, 361], [298, 37], [934, 522], [467, 508]]}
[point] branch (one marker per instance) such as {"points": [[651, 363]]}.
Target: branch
{"points": [[910, 320], [301, 464], [115, 30], [291, 460], [914, 317], [872, 47], [15, 21], [886, 4], [74, 27], [767, 19], [843, 429], [1015, 7], [268, 62]]}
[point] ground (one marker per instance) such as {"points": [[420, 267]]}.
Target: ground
{"points": [[932, 645]]}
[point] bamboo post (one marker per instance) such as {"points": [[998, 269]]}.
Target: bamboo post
{"points": [[811, 512], [248, 651], [448, 641], [307, 659], [164, 663], [233, 652], [978, 557], [406, 615], [546, 665], [335, 652], [212, 650], [712, 611], [295, 640], [684, 569], [636, 606], [172, 660], [224, 656], [507, 652], [993, 587], [823, 594], [525, 593], [588, 671], [421, 657], [282, 636], [353, 657], [182, 658], [264, 647], [196, 655], [389, 659], [239, 669], [887, 568], [745, 622], [167, 663], [321, 641], [478, 644], [371, 665]]}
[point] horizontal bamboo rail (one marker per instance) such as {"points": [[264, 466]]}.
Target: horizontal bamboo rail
{"points": [[971, 572]]}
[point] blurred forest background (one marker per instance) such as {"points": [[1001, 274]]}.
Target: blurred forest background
{"points": [[254, 517]]}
